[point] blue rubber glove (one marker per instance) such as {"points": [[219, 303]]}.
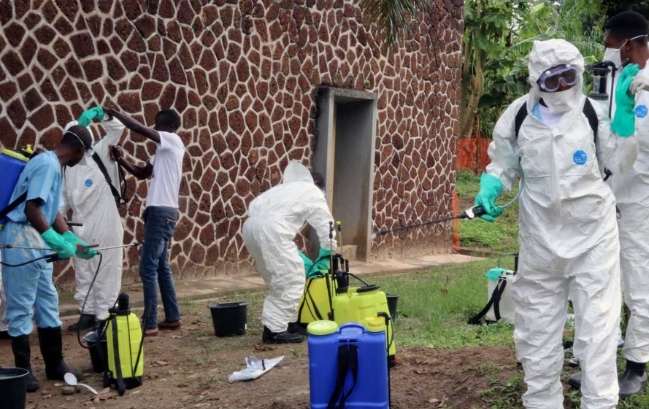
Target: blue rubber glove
{"points": [[624, 119], [89, 115], [323, 261], [490, 188], [58, 244], [308, 264], [79, 245]]}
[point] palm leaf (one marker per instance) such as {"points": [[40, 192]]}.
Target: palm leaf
{"points": [[393, 17]]}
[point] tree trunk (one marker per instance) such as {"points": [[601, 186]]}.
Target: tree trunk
{"points": [[466, 127]]}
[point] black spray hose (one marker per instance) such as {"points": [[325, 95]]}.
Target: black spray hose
{"points": [[471, 213], [83, 307]]}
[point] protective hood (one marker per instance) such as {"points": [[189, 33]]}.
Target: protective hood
{"points": [[550, 53], [73, 123], [296, 172]]}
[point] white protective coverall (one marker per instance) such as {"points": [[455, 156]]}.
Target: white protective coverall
{"points": [[568, 237], [86, 192], [632, 194], [274, 218]]}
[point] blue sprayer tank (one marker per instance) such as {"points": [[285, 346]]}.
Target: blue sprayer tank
{"points": [[326, 344], [11, 165]]}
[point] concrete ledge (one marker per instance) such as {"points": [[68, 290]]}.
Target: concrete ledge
{"points": [[194, 290]]}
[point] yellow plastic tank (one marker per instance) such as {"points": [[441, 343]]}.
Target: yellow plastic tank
{"points": [[315, 303], [125, 351], [362, 303]]}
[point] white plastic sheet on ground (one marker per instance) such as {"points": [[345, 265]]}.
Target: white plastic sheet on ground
{"points": [[255, 368]]}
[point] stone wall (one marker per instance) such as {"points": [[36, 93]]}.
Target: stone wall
{"points": [[243, 74]]}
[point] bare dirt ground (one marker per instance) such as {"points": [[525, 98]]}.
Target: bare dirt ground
{"points": [[189, 368]]}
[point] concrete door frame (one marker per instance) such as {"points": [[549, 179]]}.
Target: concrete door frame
{"points": [[324, 151]]}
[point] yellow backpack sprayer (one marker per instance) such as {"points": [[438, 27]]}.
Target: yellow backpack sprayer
{"points": [[125, 361], [328, 296]]}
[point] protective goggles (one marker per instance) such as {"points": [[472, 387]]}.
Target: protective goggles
{"points": [[551, 79]]}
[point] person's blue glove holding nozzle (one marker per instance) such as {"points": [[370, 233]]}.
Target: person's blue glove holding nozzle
{"points": [[490, 188]]}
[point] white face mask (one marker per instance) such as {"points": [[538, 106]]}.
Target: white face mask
{"points": [[613, 55], [561, 101]]}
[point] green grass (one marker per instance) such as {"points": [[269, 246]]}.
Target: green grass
{"points": [[434, 306], [501, 236]]}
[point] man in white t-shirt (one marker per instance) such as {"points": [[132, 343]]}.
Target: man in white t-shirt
{"points": [[161, 214]]}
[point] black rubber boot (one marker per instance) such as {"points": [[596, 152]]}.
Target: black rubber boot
{"points": [[52, 349], [634, 379], [575, 380], [22, 357], [86, 321], [280, 337], [297, 328]]}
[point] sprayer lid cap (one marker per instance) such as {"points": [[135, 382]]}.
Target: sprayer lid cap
{"points": [[374, 324], [15, 155], [322, 328]]}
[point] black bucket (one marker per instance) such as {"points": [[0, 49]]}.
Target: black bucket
{"points": [[229, 318], [98, 351], [392, 305], [13, 387]]}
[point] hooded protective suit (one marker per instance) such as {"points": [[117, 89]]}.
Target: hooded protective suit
{"points": [[274, 218], [86, 192], [568, 237], [632, 194]]}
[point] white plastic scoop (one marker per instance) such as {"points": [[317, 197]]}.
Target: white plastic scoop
{"points": [[71, 380]]}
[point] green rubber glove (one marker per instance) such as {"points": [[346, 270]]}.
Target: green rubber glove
{"points": [[624, 119], [58, 244], [490, 188], [79, 245], [89, 115], [308, 264], [323, 261]]}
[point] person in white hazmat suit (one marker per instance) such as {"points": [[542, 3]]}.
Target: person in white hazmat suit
{"points": [[626, 41], [568, 233], [274, 218], [87, 193]]}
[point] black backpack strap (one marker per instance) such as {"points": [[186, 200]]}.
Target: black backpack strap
{"points": [[11, 206], [102, 168], [520, 117], [494, 300], [593, 121], [591, 115], [347, 360], [118, 376]]}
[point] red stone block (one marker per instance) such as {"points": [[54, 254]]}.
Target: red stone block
{"points": [[42, 118], [181, 100], [7, 133], [93, 69], [129, 102], [177, 72], [174, 32], [48, 91], [51, 138], [160, 72]]}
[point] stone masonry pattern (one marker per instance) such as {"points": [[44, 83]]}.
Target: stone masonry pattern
{"points": [[244, 75]]}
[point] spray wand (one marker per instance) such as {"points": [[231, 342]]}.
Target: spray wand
{"points": [[470, 214]]}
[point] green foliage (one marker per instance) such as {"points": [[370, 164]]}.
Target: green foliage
{"points": [[577, 21], [434, 306]]}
